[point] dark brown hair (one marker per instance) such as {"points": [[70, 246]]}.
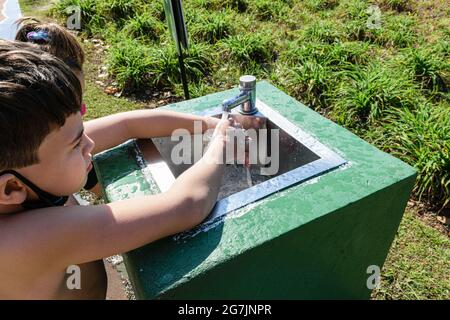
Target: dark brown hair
{"points": [[60, 43], [37, 93]]}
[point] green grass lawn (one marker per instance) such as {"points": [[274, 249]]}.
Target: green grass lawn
{"points": [[388, 85], [417, 266]]}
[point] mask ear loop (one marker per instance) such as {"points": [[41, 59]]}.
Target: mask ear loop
{"points": [[50, 199]]}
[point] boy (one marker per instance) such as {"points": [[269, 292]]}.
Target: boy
{"points": [[45, 157]]}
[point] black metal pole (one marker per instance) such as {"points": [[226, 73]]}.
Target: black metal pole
{"points": [[183, 75]]}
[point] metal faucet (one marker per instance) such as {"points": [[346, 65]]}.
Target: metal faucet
{"points": [[246, 97]]}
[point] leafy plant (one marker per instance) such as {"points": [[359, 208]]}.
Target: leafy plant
{"points": [[429, 68], [212, 27], [397, 30], [247, 48], [322, 31], [136, 65], [399, 5], [269, 9], [355, 15], [367, 92], [239, 5], [196, 89], [145, 26], [198, 63], [308, 81], [421, 137], [312, 70], [88, 9], [118, 9], [130, 62], [317, 5]]}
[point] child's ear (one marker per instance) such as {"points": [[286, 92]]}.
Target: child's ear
{"points": [[12, 191]]}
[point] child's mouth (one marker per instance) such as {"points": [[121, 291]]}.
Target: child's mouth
{"points": [[89, 167]]}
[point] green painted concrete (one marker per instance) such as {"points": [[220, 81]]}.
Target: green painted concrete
{"points": [[120, 175], [314, 240]]}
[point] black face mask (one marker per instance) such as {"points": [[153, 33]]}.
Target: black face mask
{"points": [[45, 199]]}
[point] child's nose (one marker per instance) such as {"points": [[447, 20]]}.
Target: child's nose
{"points": [[90, 144]]}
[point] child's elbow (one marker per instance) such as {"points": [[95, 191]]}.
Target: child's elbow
{"points": [[198, 206]]}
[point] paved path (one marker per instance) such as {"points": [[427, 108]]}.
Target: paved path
{"points": [[9, 13]]}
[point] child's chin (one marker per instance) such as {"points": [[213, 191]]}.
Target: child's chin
{"points": [[82, 184]]}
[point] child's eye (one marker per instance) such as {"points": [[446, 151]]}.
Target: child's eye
{"points": [[78, 144]]}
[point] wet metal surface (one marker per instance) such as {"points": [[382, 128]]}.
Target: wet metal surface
{"points": [[302, 157]]}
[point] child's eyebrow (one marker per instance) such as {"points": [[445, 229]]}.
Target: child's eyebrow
{"points": [[78, 137]]}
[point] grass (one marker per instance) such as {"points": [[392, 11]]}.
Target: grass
{"points": [[317, 5], [88, 9], [269, 9], [312, 70], [417, 264], [130, 63], [144, 26], [308, 81], [100, 104], [399, 5], [367, 92], [249, 49], [212, 26], [137, 65], [398, 31], [420, 139], [322, 31], [118, 9], [429, 67]]}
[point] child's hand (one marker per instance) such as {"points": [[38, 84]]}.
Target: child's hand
{"points": [[221, 128], [226, 129], [239, 121], [248, 122]]}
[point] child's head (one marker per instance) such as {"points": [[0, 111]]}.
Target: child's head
{"points": [[40, 124], [54, 39]]}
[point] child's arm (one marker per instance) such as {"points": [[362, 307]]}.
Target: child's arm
{"points": [[110, 131], [54, 238]]}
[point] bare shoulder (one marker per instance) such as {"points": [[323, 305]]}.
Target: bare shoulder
{"points": [[27, 237], [26, 268]]}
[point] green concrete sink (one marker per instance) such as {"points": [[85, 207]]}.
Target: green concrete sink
{"points": [[311, 237]]}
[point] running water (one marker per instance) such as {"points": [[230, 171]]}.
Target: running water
{"points": [[225, 114], [249, 177], [247, 169]]}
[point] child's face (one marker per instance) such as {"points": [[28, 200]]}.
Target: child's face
{"points": [[65, 159]]}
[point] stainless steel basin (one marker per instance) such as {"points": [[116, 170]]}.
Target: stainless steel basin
{"points": [[301, 157]]}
